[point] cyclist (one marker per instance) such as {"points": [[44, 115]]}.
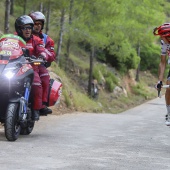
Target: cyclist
{"points": [[39, 20], [164, 32], [24, 27]]}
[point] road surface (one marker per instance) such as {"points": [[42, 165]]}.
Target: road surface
{"points": [[133, 140]]}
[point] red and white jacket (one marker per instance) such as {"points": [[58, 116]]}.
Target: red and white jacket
{"points": [[49, 46]]}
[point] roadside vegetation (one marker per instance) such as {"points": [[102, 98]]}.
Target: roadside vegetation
{"points": [[116, 47], [75, 82]]}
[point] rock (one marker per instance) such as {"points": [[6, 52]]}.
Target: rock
{"points": [[118, 91], [54, 76]]}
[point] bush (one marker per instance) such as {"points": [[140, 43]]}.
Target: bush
{"points": [[112, 77], [101, 56], [150, 58], [66, 98], [142, 90], [99, 71], [123, 56], [109, 84]]}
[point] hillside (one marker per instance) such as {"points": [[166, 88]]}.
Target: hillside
{"points": [[117, 91], [127, 94]]}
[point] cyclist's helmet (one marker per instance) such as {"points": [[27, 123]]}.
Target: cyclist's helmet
{"points": [[38, 16], [21, 21], [163, 30]]}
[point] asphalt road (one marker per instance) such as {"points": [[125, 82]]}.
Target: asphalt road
{"points": [[133, 140]]}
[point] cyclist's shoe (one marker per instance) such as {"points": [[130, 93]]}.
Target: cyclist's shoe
{"points": [[167, 120]]}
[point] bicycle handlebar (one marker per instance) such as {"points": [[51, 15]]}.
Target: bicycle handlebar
{"points": [[166, 86], [159, 90]]}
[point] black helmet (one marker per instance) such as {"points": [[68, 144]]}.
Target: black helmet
{"points": [[38, 16], [21, 21]]}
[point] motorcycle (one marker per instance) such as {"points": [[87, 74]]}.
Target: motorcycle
{"points": [[16, 77]]}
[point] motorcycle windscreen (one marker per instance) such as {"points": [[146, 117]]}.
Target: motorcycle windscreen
{"points": [[2, 67], [54, 92], [11, 45]]}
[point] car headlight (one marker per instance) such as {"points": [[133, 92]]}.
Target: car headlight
{"points": [[9, 74]]}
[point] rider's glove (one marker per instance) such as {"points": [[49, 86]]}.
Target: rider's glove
{"points": [[159, 85], [43, 56]]}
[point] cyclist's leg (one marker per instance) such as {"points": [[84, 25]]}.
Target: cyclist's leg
{"points": [[167, 99]]}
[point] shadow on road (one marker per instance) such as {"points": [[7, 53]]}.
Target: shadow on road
{"points": [[156, 103]]}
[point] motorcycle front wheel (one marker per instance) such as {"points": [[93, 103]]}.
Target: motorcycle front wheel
{"points": [[12, 126], [27, 130]]}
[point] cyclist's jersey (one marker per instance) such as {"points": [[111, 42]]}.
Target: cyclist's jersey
{"points": [[164, 48]]}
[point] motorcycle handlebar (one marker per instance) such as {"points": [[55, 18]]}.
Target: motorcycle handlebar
{"points": [[33, 59]]}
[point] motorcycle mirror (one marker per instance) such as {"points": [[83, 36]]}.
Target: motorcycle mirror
{"points": [[25, 52]]}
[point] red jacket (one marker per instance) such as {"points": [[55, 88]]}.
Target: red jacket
{"points": [[49, 47], [36, 47]]}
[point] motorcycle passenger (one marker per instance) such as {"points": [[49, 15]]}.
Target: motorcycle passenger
{"points": [[24, 26], [39, 20], [164, 32]]}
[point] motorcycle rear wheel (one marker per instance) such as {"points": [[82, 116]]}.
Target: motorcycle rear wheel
{"points": [[12, 126]]}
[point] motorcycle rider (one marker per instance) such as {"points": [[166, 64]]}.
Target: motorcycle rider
{"points": [[24, 27], [164, 32], [39, 20]]}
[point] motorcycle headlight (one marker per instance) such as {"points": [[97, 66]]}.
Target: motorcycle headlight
{"points": [[9, 74], [10, 70]]}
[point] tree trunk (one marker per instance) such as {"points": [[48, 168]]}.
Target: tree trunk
{"points": [[7, 15], [91, 71], [138, 69], [69, 39], [41, 7], [48, 17], [25, 7], [60, 35], [12, 7]]}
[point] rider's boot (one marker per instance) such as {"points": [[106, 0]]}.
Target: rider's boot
{"points": [[36, 115], [45, 111], [167, 116]]}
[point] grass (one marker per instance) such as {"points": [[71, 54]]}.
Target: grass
{"points": [[72, 95], [75, 96], [81, 63]]}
